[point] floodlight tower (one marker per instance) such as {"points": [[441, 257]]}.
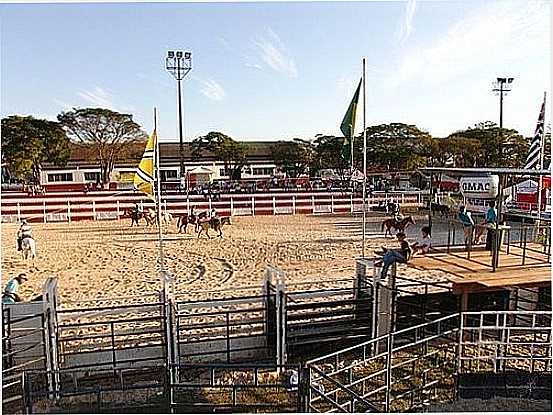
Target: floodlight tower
{"points": [[178, 64], [502, 86]]}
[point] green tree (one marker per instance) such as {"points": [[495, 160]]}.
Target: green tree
{"points": [[108, 134], [224, 148], [28, 142], [328, 155], [394, 146], [293, 157], [498, 147]]}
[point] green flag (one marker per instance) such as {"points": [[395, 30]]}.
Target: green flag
{"points": [[348, 123]]}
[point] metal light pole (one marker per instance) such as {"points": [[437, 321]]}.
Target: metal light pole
{"points": [[502, 86], [178, 64]]}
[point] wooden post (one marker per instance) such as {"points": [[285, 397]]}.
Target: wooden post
{"points": [[94, 210], [351, 202], [274, 205], [44, 210], [313, 204], [253, 206], [293, 205], [209, 200], [165, 205], [18, 212], [231, 206], [118, 211], [68, 211], [332, 203]]}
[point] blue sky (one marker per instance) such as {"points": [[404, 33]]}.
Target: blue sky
{"points": [[268, 71]]}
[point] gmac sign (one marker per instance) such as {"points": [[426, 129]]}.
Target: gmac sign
{"points": [[483, 187]]}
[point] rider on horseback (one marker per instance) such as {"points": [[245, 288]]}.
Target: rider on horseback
{"points": [[25, 231]]}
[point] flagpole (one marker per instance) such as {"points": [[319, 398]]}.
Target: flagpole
{"points": [[158, 205], [540, 182], [364, 160]]}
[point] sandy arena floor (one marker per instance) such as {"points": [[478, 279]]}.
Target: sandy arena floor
{"points": [[110, 259]]}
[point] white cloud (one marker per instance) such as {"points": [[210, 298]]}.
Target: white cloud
{"points": [[273, 52], [498, 32], [97, 96], [405, 25], [211, 89], [253, 65]]}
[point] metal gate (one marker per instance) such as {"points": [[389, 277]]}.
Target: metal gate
{"points": [[324, 320]]}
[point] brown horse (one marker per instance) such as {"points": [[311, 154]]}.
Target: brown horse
{"points": [[134, 214], [214, 223], [399, 226]]}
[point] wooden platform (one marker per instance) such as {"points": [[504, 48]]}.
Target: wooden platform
{"points": [[475, 274]]}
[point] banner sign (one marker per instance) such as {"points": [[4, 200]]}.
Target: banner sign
{"points": [[484, 187]]}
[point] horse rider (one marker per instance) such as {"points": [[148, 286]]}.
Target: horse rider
{"points": [[10, 296], [25, 231]]}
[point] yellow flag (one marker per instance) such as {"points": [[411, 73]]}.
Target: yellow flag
{"points": [[144, 176]]}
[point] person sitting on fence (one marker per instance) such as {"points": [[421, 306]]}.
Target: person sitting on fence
{"points": [[424, 243], [391, 256], [25, 231], [10, 296], [466, 220]]}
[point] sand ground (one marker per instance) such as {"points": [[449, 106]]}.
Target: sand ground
{"points": [[110, 259]]}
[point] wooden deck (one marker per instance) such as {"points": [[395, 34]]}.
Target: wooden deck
{"points": [[475, 274]]}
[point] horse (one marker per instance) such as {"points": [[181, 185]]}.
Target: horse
{"points": [[444, 210], [134, 214], [399, 226], [28, 248], [150, 216], [166, 218], [214, 223]]}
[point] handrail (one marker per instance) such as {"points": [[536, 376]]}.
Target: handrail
{"points": [[347, 390]]}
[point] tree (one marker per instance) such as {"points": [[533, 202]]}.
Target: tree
{"points": [[498, 147], [328, 155], [28, 142], [108, 134], [224, 148], [394, 146], [293, 157]]}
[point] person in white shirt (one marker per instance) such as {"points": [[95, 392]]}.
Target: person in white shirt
{"points": [[424, 243]]}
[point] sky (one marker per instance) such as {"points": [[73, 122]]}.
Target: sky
{"points": [[280, 70]]}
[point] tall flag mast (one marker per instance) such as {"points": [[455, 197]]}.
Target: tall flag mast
{"points": [[364, 161]]}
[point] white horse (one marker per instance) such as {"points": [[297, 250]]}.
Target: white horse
{"points": [[28, 248]]}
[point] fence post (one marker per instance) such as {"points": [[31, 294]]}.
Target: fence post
{"points": [[293, 205], [165, 205], [351, 202], [274, 205], [18, 212], [118, 211], [209, 200], [187, 205], [94, 209], [313, 204], [44, 210], [389, 371], [231, 206], [68, 211], [253, 206], [332, 203]]}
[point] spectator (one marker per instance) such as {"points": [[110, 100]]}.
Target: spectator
{"points": [[424, 243], [10, 296], [468, 223], [490, 219], [391, 256]]}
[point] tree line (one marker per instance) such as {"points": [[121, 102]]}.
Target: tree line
{"points": [[105, 137]]}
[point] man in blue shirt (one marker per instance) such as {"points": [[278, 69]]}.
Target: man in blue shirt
{"points": [[10, 296], [468, 224], [491, 218]]}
